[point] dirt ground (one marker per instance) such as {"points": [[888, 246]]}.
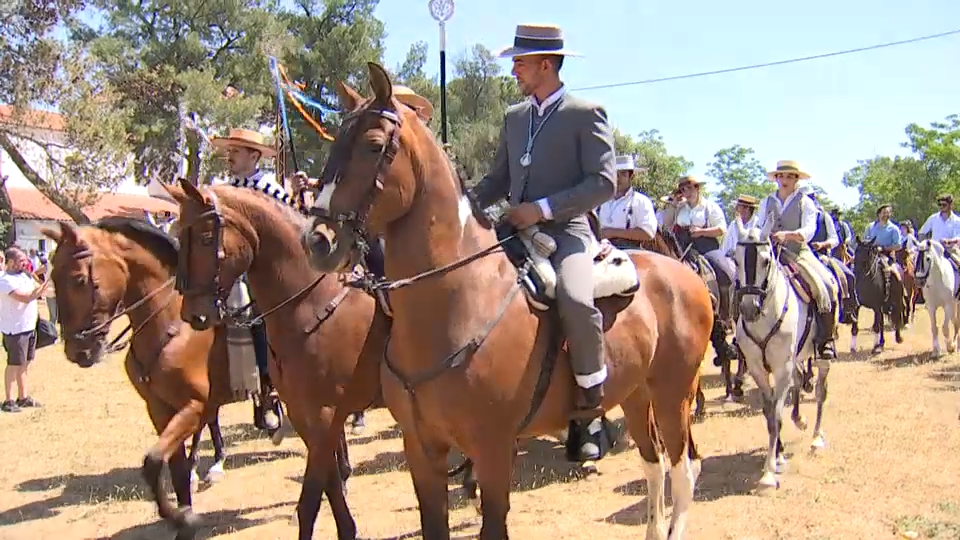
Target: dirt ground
{"points": [[890, 469]]}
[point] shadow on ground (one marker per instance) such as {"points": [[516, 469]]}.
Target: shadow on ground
{"points": [[120, 484], [212, 524]]}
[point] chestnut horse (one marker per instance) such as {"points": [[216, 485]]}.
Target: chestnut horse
{"points": [[181, 374], [467, 354], [317, 324]]}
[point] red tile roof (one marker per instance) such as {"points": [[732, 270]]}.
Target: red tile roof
{"points": [[124, 204], [34, 118], [29, 203]]}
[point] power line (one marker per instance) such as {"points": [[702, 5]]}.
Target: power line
{"points": [[769, 64]]}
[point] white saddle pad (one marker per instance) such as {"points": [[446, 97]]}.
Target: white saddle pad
{"points": [[613, 275]]}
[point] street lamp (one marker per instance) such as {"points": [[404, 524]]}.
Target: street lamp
{"points": [[442, 11]]}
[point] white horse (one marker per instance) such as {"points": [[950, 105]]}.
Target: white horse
{"points": [[775, 334], [936, 276]]}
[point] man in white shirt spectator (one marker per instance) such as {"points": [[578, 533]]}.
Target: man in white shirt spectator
{"points": [[18, 323], [628, 218], [944, 227]]}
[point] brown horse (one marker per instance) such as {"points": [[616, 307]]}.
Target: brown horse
{"points": [[181, 374], [906, 258], [467, 358], [317, 324]]}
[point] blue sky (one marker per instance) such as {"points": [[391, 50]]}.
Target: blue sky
{"points": [[825, 113]]}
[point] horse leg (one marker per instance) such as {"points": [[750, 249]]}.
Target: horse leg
{"points": [[176, 428], [701, 400], [494, 468], [192, 458], [672, 412], [180, 478], [762, 380], [738, 378], [949, 320], [798, 420], [934, 329], [215, 473], [428, 470], [899, 314], [318, 479], [358, 423], [637, 411], [879, 341], [784, 381], [819, 439], [854, 330]]}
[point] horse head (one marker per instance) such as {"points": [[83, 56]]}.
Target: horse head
{"points": [[929, 253], [755, 263], [216, 247], [373, 176], [90, 281]]}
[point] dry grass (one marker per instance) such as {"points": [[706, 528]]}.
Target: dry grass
{"points": [[891, 467]]}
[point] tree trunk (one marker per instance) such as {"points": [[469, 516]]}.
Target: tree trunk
{"points": [[9, 232], [64, 202]]}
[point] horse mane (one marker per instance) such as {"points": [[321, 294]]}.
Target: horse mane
{"points": [[285, 205], [160, 244]]}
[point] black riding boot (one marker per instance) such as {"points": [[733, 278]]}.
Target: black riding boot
{"points": [[824, 337]]}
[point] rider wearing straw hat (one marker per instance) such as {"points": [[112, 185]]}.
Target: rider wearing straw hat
{"points": [[629, 218], [795, 217], [244, 148], [555, 163]]}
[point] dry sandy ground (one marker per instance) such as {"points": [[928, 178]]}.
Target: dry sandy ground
{"points": [[71, 470]]}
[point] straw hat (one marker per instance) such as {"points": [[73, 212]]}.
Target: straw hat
{"points": [[689, 180], [788, 166], [671, 197], [534, 39], [412, 99], [244, 138], [748, 201]]}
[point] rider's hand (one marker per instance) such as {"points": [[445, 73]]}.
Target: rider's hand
{"points": [[524, 215], [695, 231], [780, 236], [301, 181]]}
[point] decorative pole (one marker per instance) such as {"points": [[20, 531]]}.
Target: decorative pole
{"points": [[442, 11]]}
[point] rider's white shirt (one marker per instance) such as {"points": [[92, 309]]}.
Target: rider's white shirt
{"points": [[942, 229], [633, 210], [706, 214], [732, 237], [808, 212]]}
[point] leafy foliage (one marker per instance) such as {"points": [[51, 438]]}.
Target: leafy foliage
{"points": [[737, 172], [650, 152]]}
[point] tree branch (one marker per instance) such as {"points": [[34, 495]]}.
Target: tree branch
{"points": [[65, 203]]}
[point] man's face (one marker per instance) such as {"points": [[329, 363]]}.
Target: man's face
{"points": [[624, 179], [945, 206], [689, 191], [16, 264], [787, 181], [885, 214], [241, 159], [745, 212], [530, 72]]}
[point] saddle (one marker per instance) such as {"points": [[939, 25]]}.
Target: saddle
{"points": [[800, 286], [614, 273], [840, 271]]}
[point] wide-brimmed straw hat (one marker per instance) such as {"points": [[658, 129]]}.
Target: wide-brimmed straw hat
{"points": [[689, 180], [788, 166], [533, 39], [748, 201], [408, 97], [245, 138]]}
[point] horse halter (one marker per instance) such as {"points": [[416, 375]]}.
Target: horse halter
{"points": [[212, 238], [340, 155], [750, 257]]}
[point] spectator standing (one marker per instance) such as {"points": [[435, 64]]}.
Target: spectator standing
{"points": [[18, 322]]}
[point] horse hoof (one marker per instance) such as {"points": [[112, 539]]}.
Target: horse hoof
{"points": [[187, 523], [767, 482], [800, 423], [877, 350], [194, 480], [898, 339], [818, 444], [782, 464], [277, 436], [589, 469], [215, 474], [357, 430]]}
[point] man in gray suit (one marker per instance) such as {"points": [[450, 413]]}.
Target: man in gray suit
{"points": [[555, 163]]}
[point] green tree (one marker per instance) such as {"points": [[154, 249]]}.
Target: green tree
{"points": [[662, 170], [737, 172], [39, 71]]}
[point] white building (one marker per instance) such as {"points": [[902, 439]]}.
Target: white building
{"points": [[32, 211]]}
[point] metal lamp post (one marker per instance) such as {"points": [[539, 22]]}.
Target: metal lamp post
{"points": [[442, 11]]}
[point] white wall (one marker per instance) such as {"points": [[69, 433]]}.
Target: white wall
{"points": [[29, 235]]}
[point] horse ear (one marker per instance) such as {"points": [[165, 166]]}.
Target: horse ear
{"points": [[52, 234], [380, 82], [191, 191], [174, 191], [349, 98], [68, 234]]}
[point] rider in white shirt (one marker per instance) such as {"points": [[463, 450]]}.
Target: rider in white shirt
{"points": [[628, 218], [746, 210], [944, 227]]}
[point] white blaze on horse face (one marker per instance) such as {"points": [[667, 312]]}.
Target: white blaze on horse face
{"points": [[325, 196]]}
